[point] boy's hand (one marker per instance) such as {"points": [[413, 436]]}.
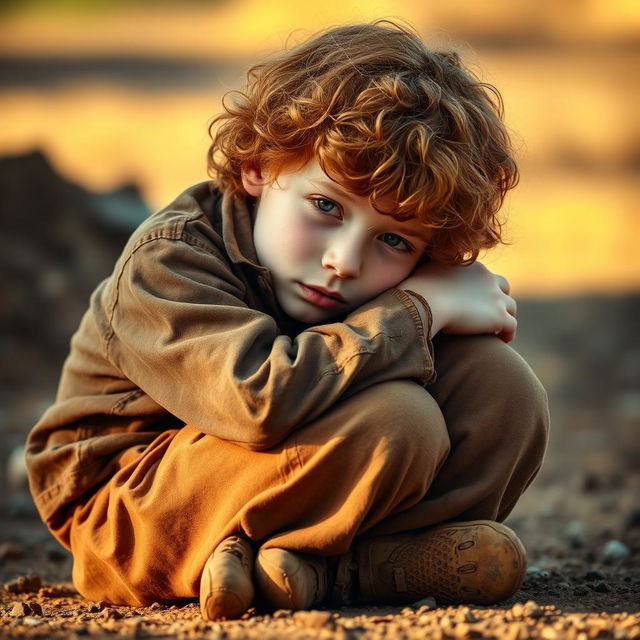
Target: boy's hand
{"points": [[465, 299]]}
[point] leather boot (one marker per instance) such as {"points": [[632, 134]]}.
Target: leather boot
{"points": [[226, 586], [291, 580], [477, 562]]}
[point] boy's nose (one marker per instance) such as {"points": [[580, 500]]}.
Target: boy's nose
{"points": [[345, 258]]}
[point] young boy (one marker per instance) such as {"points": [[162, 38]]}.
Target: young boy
{"points": [[259, 372]]}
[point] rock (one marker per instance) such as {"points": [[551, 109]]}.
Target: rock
{"points": [[17, 469], [57, 554], [11, 551], [428, 602], [24, 584], [28, 621], [601, 587], [615, 550], [314, 619], [593, 575], [20, 609], [591, 482], [576, 534], [532, 609], [533, 572]]}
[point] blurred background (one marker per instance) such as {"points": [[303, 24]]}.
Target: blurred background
{"points": [[105, 106]]}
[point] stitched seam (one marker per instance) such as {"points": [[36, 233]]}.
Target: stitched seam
{"points": [[425, 342], [175, 232], [124, 400]]}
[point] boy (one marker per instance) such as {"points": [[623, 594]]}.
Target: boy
{"points": [[259, 372]]}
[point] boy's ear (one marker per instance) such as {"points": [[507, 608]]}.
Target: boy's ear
{"points": [[252, 180]]}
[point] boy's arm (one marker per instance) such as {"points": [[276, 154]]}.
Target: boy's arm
{"points": [[180, 330], [464, 299]]}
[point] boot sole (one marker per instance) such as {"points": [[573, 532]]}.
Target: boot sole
{"points": [[477, 562]]}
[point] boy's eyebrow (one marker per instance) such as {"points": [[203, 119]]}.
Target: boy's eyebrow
{"points": [[324, 182]]}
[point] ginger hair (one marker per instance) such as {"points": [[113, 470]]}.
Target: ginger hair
{"points": [[386, 118]]}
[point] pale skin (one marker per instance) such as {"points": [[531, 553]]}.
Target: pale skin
{"points": [[310, 231]]}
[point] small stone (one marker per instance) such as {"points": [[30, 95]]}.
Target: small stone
{"points": [[633, 519], [313, 619], [20, 609], [601, 587], [16, 469], [56, 554], [11, 551], [465, 615], [429, 603], [591, 482], [110, 614], [532, 609], [575, 534], [32, 622], [96, 607], [24, 584], [615, 550], [36, 608], [593, 575], [533, 572]]}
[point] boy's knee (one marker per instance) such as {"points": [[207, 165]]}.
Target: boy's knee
{"points": [[483, 380], [404, 418]]}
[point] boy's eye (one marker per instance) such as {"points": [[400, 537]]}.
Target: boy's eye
{"points": [[326, 206], [395, 241]]}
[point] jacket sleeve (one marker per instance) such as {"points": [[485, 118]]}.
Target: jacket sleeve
{"points": [[180, 330]]}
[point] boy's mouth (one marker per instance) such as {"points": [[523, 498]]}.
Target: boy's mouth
{"points": [[320, 296]]}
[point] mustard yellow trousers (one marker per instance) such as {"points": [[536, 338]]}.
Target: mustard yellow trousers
{"points": [[392, 458]]}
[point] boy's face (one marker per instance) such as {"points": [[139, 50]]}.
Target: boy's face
{"points": [[329, 251]]}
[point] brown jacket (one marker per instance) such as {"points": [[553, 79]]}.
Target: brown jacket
{"points": [[187, 331]]}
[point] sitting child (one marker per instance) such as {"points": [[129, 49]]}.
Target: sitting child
{"points": [[296, 385]]}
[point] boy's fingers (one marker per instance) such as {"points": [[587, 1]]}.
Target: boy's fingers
{"points": [[508, 331], [503, 283]]}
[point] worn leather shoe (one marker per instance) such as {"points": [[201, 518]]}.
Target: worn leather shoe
{"points": [[226, 586], [477, 562], [291, 580]]}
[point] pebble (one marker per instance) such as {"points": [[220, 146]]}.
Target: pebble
{"points": [[24, 584], [633, 519], [576, 534], [16, 469], [601, 587], [313, 619], [57, 554], [615, 550], [593, 575], [20, 609], [426, 602], [11, 551]]}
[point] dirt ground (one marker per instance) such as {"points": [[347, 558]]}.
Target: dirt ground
{"points": [[580, 521]]}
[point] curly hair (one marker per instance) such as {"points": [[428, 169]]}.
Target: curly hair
{"points": [[386, 118]]}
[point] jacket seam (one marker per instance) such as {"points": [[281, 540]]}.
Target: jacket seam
{"points": [[161, 234], [425, 342]]}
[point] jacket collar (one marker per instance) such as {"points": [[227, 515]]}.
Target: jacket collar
{"points": [[237, 232]]}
